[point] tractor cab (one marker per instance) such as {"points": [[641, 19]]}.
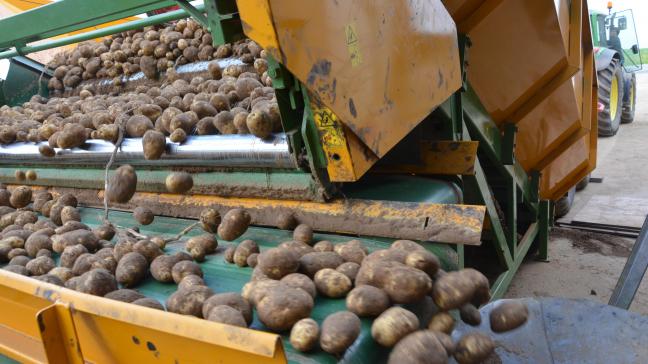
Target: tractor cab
{"points": [[617, 31]]}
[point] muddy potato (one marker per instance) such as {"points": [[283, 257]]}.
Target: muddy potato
{"points": [[442, 322], [243, 251], [339, 331], [228, 255], [402, 283], [227, 315], [278, 262], [367, 301], [244, 86], [85, 237], [55, 214], [190, 281], [18, 269], [234, 224], [69, 213], [122, 184], [299, 248], [470, 314], [25, 217], [31, 175], [282, 307], [311, 263], [64, 274], [71, 226], [304, 334], [161, 268], [286, 221], [205, 126], [252, 260], [508, 315], [5, 196], [220, 102], [124, 295], [179, 182], [423, 260], [203, 109], [224, 122], [209, 220], [303, 233], [148, 249], [148, 65], [153, 144], [137, 126], [332, 283], [20, 196], [68, 199], [97, 282], [231, 299], [323, 246], [19, 260], [149, 302], [104, 232], [131, 269], [393, 325], [350, 253], [185, 268], [474, 347], [301, 281], [349, 269], [259, 124], [51, 279], [70, 255], [189, 301], [240, 122], [41, 265], [143, 215], [199, 246], [36, 242], [13, 241], [83, 263], [452, 291], [178, 136], [46, 151], [72, 135], [419, 347]]}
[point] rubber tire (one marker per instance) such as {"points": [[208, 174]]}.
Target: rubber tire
{"points": [[583, 183], [627, 116], [564, 204], [607, 126]]}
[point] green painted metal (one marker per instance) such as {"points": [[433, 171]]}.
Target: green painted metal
{"points": [[225, 277], [223, 20], [23, 81], [404, 188]]}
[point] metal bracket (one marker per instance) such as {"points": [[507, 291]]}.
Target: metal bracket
{"points": [[633, 271]]}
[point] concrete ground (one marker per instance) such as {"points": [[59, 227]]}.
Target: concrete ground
{"points": [[587, 265]]}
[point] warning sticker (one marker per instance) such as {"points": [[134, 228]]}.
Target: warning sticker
{"points": [[353, 44]]}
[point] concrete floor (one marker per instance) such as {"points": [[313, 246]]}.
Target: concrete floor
{"points": [[587, 265]]}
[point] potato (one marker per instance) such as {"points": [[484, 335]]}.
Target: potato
{"points": [[185, 268], [214, 68], [51, 279], [190, 281], [179, 182], [304, 234], [323, 246], [350, 253], [131, 269], [104, 232], [367, 301], [161, 267], [105, 261], [277, 262], [151, 111], [481, 285], [259, 124], [304, 334], [148, 249], [20, 197], [282, 307], [39, 266], [19, 260], [209, 220], [178, 136], [332, 283], [70, 254], [72, 135], [85, 237], [143, 215], [393, 325], [339, 331], [231, 299], [55, 213], [20, 175], [349, 269], [63, 273], [224, 122], [25, 217], [71, 226], [153, 144], [189, 301], [149, 302], [442, 322], [418, 347], [452, 290], [199, 246], [402, 283], [474, 347], [243, 251], [148, 65], [14, 241], [229, 254], [37, 242], [220, 102], [423, 260], [299, 248], [311, 263], [508, 315], [137, 126], [301, 281], [244, 86], [122, 184], [240, 122], [470, 314], [124, 295], [252, 260], [203, 109], [18, 269], [234, 224], [5, 196], [31, 175], [97, 282], [69, 213], [84, 263]]}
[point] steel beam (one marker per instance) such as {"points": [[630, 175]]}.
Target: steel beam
{"points": [[633, 271]]}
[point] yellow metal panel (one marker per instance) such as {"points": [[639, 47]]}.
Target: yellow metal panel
{"points": [[110, 331], [256, 19], [59, 335], [381, 66]]}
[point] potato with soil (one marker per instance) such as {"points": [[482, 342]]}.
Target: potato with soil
{"points": [[419, 347], [304, 335], [70, 254], [243, 251], [234, 224], [41, 265], [185, 268], [339, 331], [189, 301], [470, 314], [442, 322], [122, 184], [84, 263], [47, 151], [19, 260], [179, 182], [474, 347], [349, 269], [228, 255], [190, 281], [36, 242], [452, 290], [97, 282], [282, 306], [104, 232], [332, 283], [153, 144], [367, 301], [402, 283], [301, 281], [31, 175], [199, 246], [304, 234], [72, 135], [209, 220], [423, 260], [148, 249], [136, 126], [148, 302], [350, 253], [69, 213], [393, 325], [131, 269], [20, 197], [231, 299], [323, 246], [162, 265], [226, 315], [143, 215], [277, 262], [124, 295], [508, 315], [259, 124], [311, 263], [84, 237], [18, 269], [286, 221], [300, 249]]}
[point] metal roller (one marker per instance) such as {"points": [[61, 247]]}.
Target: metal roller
{"points": [[206, 150]]}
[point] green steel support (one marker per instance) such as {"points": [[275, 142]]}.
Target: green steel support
{"points": [[508, 145], [544, 217], [223, 21], [504, 280]]}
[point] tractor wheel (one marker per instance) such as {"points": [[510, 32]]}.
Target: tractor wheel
{"points": [[583, 183], [610, 94], [627, 116], [564, 204]]}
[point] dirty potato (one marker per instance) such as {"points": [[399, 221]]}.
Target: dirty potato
{"points": [[226, 315], [304, 334], [20, 197], [131, 269], [442, 322], [122, 184], [332, 283], [278, 262], [153, 144], [508, 315], [199, 246], [143, 215], [303, 233], [179, 182], [185, 268], [473, 347], [339, 331], [301, 281], [231, 299], [311, 263], [243, 251], [282, 307], [393, 325], [189, 301], [418, 347], [209, 220], [97, 282], [235, 223], [367, 301], [41, 265]]}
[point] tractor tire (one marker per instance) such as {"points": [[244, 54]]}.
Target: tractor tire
{"points": [[583, 183], [629, 99], [564, 204], [610, 94]]}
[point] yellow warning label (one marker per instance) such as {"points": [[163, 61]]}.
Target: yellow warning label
{"points": [[353, 44], [334, 144]]}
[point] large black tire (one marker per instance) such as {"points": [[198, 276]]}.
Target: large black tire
{"points": [[629, 99], [609, 79], [583, 183], [564, 204]]}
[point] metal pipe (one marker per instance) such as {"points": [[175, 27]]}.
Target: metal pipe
{"points": [[136, 24], [243, 151]]}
